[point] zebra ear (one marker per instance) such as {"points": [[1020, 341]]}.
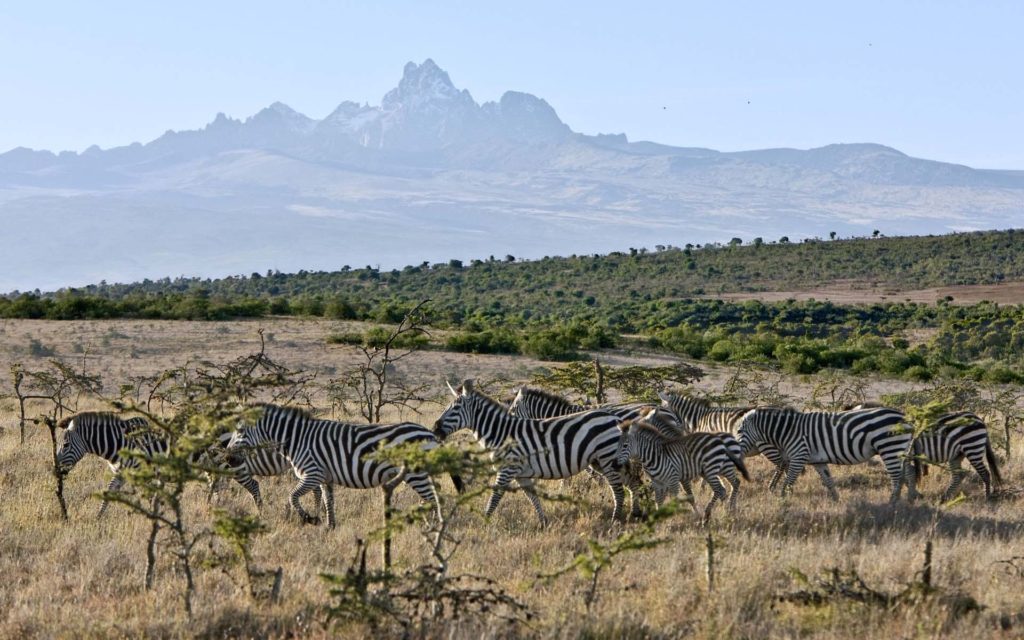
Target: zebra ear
{"points": [[663, 396], [467, 386], [452, 389]]}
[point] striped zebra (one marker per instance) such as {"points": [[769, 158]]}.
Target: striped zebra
{"points": [[672, 459], [105, 435], [325, 453], [263, 462], [537, 404], [699, 412], [549, 449], [792, 439], [952, 438]]}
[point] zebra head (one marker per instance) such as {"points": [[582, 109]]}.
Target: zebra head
{"points": [[244, 440], [623, 453], [72, 449], [459, 414], [749, 432]]}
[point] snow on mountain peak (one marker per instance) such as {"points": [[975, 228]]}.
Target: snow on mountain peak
{"points": [[423, 84]]}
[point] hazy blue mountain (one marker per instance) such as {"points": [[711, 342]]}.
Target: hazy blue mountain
{"points": [[430, 174]]}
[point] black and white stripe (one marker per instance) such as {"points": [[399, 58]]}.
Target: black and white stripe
{"points": [[537, 404], [793, 439], [325, 452], [674, 459], [699, 413], [262, 462], [952, 438], [526, 449], [105, 435]]}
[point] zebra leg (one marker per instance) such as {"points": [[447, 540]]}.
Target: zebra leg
{"points": [[115, 485], [505, 476], [689, 494], [730, 475], [826, 479], [424, 487], [328, 499], [633, 482], [776, 458], [308, 483], [900, 470], [614, 479], [252, 487], [526, 484], [957, 475], [720, 494], [793, 471], [978, 462]]}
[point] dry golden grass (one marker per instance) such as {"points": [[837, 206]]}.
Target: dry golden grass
{"points": [[84, 579]]}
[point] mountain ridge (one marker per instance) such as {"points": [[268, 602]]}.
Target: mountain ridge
{"points": [[430, 173]]}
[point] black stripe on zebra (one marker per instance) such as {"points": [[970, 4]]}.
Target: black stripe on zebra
{"points": [[672, 459], [701, 414], [794, 439], [105, 435], [325, 452], [262, 462], [538, 449], [537, 404], [952, 438]]}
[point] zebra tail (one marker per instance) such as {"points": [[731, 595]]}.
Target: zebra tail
{"points": [[460, 486], [990, 457], [738, 463]]}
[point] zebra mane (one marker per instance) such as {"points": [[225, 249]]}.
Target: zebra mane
{"points": [[548, 395], [777, 410], [295, 412], [646, 427], [88, 415], [702, 402], [488, 399]]}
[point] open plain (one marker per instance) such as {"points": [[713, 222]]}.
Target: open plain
{"points": [[85, 578]]}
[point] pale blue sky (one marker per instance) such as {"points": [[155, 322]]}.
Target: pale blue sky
{"points": [[941, 80]]}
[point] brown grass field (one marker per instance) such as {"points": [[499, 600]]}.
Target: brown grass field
{"points": [[85, 578]]}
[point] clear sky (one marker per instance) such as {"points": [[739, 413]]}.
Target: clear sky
{"points": [[937, 79]]}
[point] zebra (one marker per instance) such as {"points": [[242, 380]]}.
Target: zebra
{"points": [[952, 438], [538, 404], [672, 459], [262, 461], [549, 449], [106, 435], [792, 439], [326, 452], [699, 412]]}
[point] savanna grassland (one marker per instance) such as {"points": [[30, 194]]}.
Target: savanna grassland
{"points": [[85, 577]]}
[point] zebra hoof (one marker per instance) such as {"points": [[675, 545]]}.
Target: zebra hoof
{"points": [[308, 519]]}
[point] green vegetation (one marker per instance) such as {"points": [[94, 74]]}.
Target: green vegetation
{"points": [[556, 307]]}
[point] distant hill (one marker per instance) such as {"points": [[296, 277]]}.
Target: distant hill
{"points": [[430, 174]]}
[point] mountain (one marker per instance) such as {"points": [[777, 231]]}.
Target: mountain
{"points": [[430, 174]]}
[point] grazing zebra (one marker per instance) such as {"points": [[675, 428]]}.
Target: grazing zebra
{"points": [[263, 461], [699, 413], [672, 459], [105, 435], [792, 439], [538, 449], [952, 438], [325, 452]]}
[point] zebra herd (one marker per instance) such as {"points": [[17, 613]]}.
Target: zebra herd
{"points": [[542, 436]]}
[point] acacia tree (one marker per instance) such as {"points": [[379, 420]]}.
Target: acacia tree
{"points": [[55, 384], [373, 385]]}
